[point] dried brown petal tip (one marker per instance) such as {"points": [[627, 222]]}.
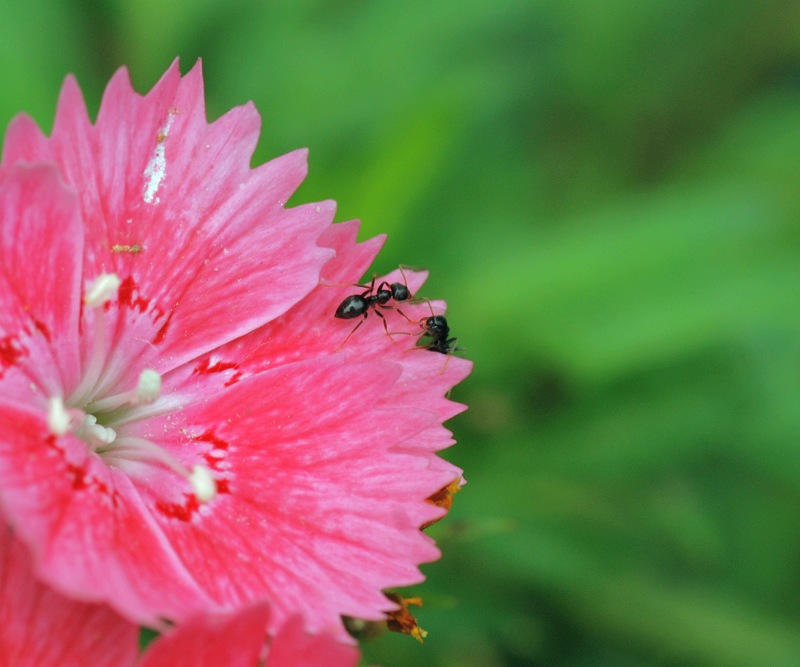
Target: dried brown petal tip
{"points": [[401, 619], [443, 498]]}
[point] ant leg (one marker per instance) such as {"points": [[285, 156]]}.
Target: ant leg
{"points": [[448, 354], [369, 289], [341, 345], [397, 310], [385, 325], [404, 315]]}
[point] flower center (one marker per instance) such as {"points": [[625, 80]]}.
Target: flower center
{"points": [[99, 419]]}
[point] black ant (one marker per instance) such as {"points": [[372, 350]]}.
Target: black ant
{"points": [[437, 329], [359, 305]]}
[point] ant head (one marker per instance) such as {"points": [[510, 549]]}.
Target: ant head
{"points": [[436, 326]]}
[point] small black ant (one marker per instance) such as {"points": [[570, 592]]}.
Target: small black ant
{"points": [[359, 305], [437, 329]]}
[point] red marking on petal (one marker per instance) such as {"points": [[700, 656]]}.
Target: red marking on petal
{"points": [[213, 462], [126, 292], [223, 486], [10, 352], [102, 487], [78, 476], [181, 512], [42, 328], [205, 367], [209, 437], [161, 334]]}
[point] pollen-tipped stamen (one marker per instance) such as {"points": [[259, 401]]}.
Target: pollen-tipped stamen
{"points": [[149, 387], [147, 391], [58, 419], [203, 484], [102, 290]]}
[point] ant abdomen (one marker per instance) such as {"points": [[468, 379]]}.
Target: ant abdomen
{"points": [[353, 306]]}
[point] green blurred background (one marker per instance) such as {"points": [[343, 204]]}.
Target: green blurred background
{"points": [[607, 195]]}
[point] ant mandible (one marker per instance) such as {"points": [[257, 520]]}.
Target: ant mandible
{"points": [[359, 305]]}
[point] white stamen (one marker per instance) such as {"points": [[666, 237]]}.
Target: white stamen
{"points": [[148, 390], [57, 416], [102, 290], [203, 484], [96, 295], [129, 448], [141, 449], [149, 387]]}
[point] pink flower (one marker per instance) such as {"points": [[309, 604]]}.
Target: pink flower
{"points": [[39, 627], [179, 430]]}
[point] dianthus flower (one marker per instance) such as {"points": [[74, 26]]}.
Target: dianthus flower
{"points": [[181, 429]]}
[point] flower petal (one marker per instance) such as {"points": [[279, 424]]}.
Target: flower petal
{"points": [[40, 627], [171, 205], [309, 330], [90, 535], [294, 647], [310, 485], [238, 640], [219, 640], [41, 243]]}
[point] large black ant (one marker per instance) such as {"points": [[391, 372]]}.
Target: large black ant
{"points": [[438, 330], [359, 305]]}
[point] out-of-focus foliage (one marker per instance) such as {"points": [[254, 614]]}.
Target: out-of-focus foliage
{"points": [[608, 195]]}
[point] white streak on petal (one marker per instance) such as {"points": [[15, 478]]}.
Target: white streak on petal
{"points": [[156, 169]]}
